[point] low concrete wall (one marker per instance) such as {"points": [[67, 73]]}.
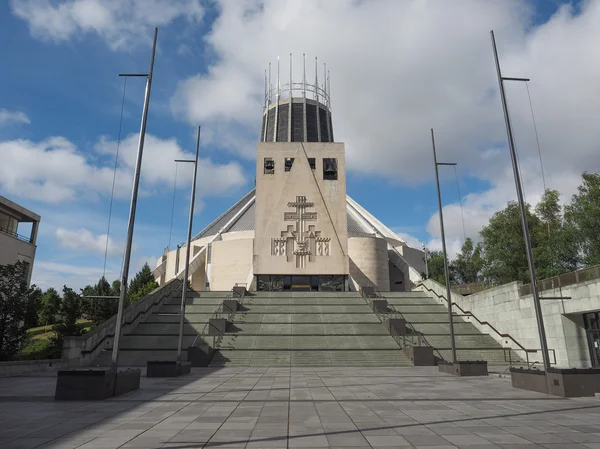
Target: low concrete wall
{"points": [[21, 367], [512, 314]]}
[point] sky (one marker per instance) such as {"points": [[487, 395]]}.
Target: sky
{"points": [[397, 68]]}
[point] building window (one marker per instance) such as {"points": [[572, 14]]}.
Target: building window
{"points": [[330, 171], [311, 162], [289, 161], [269, 166]]}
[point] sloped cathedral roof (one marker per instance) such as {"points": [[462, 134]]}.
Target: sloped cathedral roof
{"points": [[241, 217]]}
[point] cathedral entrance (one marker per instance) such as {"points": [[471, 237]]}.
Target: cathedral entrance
{"points": [[301, 283]]}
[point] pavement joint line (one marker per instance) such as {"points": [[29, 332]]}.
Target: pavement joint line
{"points": [[228, 416]]}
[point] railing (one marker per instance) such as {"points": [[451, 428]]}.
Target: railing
{"points": [[398, 338], [563, 280], [86, 347], [219, 313], [485, 323], [15, 235]]}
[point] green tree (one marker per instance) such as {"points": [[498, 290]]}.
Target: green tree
{"points": [[505, 258], [50, 306], [99, 302], [557, 251], [14, 297], [583, 215], [467, 265], [143, 277], [435, 265], [116, 287], [71, 309], [32, 308], [142, 284], [145, 290]]}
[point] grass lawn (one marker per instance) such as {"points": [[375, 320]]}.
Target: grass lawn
{"points": [[39, 342]]}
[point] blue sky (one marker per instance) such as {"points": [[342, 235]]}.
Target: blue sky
{"points": [[398, 69]]}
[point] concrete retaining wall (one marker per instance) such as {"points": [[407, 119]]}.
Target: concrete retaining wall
{"points": [[510, 313]]}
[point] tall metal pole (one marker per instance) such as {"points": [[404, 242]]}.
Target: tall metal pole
{"points": [[136, 182], [446, 273], [526, 237], [426, 262], [187, 254]]}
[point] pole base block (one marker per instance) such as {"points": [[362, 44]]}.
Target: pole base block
{"points": [[167, 368], [464, 368], [566, 383], [95, 385]]}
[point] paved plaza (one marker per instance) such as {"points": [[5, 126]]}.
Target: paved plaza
{"points": [[405, 407]]}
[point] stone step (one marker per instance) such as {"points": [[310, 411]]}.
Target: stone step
{"points": [[285, 342], [158, 342], [444, 328], [438, 317], [309, 329], [161, 318], [202, 309], [312, 300], [153, 328], [136, 357], [242, 317], [302, 308], [310, 358]]}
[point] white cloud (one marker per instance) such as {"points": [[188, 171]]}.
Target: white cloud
{"points": [[121, 23], [401, 68], [48, 274], [8, 117], [158, 166], [55, 170], [52, 170], [84, 240]]}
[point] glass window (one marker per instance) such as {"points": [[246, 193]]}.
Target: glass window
{"points": [[311, 162]]}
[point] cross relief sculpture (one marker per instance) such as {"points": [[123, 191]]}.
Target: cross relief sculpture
{"points": [[302, 241]]}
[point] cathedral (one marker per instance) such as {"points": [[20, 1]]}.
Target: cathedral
{"points": [[297, 229]]}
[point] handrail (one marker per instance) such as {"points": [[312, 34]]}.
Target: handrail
{"points": [[219, 313], [483, 323], [15, 235], [420, 335], [395, 336]]}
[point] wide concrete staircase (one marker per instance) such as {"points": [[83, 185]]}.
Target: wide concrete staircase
{"points": [[429, 318], [304, 329], [156, 338], [307, 329]]}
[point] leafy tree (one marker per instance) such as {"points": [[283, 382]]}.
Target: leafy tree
{"points": [[467, 265], [143, 277], [505, 259], [71, 309], [14, 296], [583, 214], [32, 308], [50, 306], [96, 308], [115, 287], [145, 290], [142, 284], [557, 251], [435, 266]]}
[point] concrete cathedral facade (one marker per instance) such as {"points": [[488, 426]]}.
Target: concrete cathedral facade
{"points": [[297, 229]]}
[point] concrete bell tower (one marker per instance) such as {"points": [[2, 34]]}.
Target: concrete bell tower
{"points": [[301, 224]]}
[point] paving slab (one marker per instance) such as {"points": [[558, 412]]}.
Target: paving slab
{"points": [[287, 407]]}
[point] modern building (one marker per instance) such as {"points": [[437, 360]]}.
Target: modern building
{"points": [[16, 244], [297, 229]]}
